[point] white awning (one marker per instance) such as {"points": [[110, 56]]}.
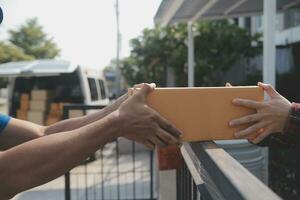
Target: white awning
{"points": [[172, 11], [36, 68]]}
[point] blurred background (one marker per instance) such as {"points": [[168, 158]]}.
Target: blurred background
{"points": [[91, 51]]}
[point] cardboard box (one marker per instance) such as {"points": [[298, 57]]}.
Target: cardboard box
{"points": [[39, 105], [37, 117], [40, 95], [24, 97], [56, 109], [203, 113], [22, 114], [52, 120], [24, 105], [75, 113]]}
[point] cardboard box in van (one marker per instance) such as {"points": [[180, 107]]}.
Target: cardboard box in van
{"points": [[24, 101], [56, 109], [40, 95], [52, 120], [24, 105], [75, 113], [203, 113], [38, 105], [25, 97], [22, 114], [37, 117]]}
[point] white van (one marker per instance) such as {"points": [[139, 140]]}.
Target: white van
{"points": [[69, 83]]}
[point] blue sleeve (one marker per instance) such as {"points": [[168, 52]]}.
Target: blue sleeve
{"points": [[4, 120]]}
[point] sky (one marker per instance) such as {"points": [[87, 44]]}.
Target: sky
{"points": [[85, 30]]}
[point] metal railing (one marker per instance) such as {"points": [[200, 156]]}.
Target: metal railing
{"points": [[211, 173], [110, 174]]}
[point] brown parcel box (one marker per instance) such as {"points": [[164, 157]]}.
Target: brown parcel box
{"points": [[40, 95], [22, 114], [37, 117], [39, 105], [203, 113]]}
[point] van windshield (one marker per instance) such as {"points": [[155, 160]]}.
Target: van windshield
{"points": [[64, 88]]}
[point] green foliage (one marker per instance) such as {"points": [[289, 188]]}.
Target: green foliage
{"points": [[153, 52], [218, 45], [31, 38], [12, 53], [27, 43]]}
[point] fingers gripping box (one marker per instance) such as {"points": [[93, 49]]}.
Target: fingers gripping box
{"points": [[204, 113]]}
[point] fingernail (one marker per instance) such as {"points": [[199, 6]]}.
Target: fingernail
{"points": [[231, 123], [152, 85], [235, 100]]}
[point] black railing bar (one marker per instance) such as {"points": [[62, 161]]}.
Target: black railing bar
{"points": [[102, 176], [151, 175], [133, 163], [118, 173], [67, 186], [86, 183]]}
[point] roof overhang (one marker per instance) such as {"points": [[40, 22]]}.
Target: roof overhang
{"points": [[174, 11]]}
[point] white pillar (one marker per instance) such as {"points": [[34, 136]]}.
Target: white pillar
{"points": [[269, 48], [241, 22], [191, 62]]}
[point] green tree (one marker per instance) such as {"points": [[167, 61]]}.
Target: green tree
{"points": [[32, 39], [218, 46], [153, 52], [10, 53]]}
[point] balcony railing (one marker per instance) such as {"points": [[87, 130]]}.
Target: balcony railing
{"points": [[209, 172], [111, 174]]}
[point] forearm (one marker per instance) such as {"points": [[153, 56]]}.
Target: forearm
{"points": [[71, 124], [41, 160], [20, 131]]}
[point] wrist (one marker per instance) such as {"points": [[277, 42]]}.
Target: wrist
{"points": [[118, 102], [116, 123], [287, 124]]}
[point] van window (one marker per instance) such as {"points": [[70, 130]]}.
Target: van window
{"points": [[64, 88], [93, 89], [102, 89]]}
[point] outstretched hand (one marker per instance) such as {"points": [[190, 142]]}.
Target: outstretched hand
{"points": [[143, 124], [270, 117]]}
